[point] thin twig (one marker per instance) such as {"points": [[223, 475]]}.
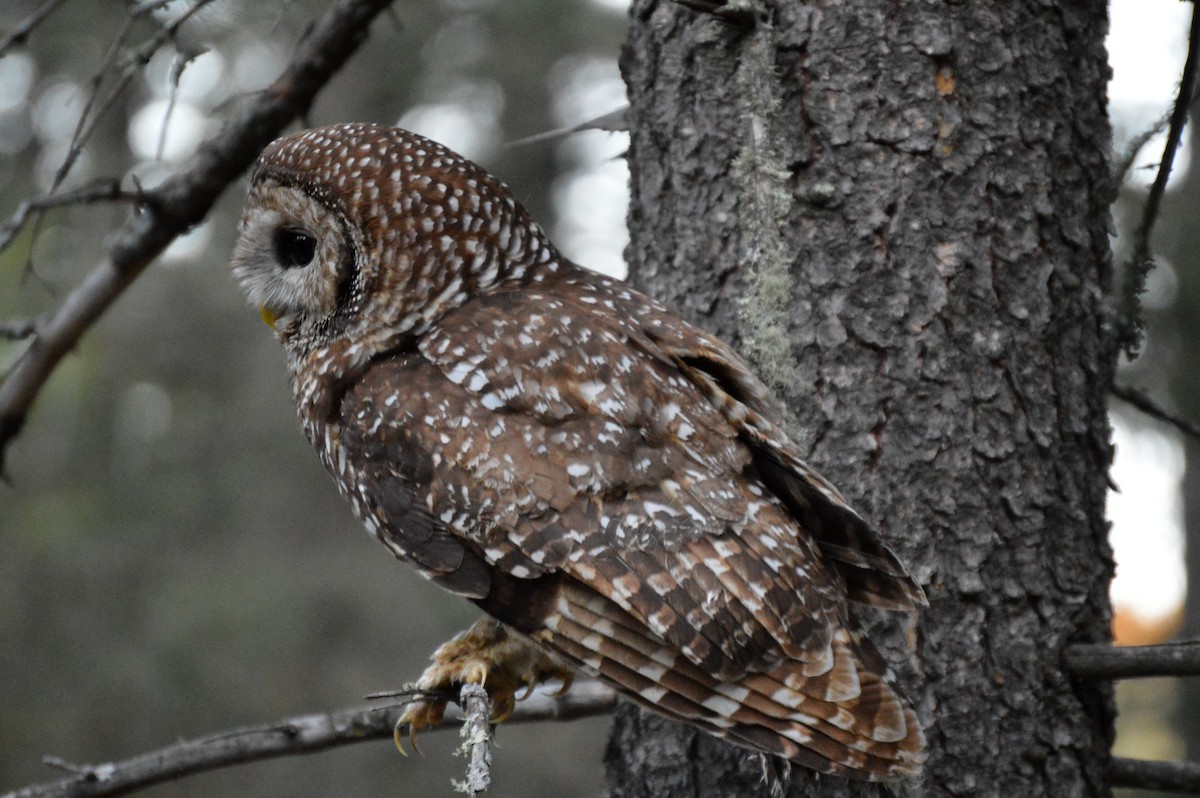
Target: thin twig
{"points": [[1139, 400], [615, 121], [77, 137], [1143, 774], [301, 735], [1103, 662], [88, 120], [184, 200], [26, 26], [182, 59], [141, 9], [477, 738], [16, 329], [281, 14], [1129, 324], [1125, 163], [104, 190]]}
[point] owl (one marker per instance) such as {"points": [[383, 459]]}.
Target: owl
{"points": [[608, 483]]}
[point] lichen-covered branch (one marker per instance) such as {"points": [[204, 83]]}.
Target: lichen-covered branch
{"points": [[477, 738], [183, 201], [300, 735]]}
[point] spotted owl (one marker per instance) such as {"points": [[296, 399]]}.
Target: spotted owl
{"points": [[608, 483]]}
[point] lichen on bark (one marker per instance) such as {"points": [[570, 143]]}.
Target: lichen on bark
{"points": [[761, 178]]}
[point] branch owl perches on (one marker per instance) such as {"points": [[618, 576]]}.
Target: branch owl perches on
{"points": [[602, 478]]}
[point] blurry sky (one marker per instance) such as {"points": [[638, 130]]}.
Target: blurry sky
{"points": [[1147, 46]]}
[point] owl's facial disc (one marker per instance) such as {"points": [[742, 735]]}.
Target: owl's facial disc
{"points": [[291, 257]]}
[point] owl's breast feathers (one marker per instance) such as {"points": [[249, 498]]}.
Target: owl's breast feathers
{"points": [[605, 478]]}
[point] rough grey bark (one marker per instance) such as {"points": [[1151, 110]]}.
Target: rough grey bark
{"points": [[925, 183]]}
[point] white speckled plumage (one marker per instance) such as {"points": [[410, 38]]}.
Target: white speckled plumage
{"points": [[589, 469]]}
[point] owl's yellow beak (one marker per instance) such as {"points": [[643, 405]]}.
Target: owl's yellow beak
{"points": [[268, 316]]}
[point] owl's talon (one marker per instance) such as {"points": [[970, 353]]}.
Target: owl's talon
{"points": [[507, 665], [503, 706], [477, 673], [412, 738], [568, 678], [398, 737]]}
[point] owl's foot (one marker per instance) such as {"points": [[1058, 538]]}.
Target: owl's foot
{"points": [[488, 654]]}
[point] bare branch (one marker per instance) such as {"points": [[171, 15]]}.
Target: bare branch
{"points": [[89, 119], [16, 329], [106, 190], [139, 9], [182, 59], [1125, 163], [1142, 774], [614, 121], [78, 139], [1129, 324], [1102, 661], [25, 27], [477, 739], [300, 735], [1138, 399], [184, 200]]}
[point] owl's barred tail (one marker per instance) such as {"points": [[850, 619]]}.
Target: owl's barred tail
{"points": [[848, 722]]}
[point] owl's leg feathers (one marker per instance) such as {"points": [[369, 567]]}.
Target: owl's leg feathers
{"points": [[489, 654]]}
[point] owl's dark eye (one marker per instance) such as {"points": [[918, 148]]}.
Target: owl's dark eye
{"points": [[295, 248]]}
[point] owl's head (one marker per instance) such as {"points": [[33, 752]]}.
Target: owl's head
{"points": [[367, 233]]}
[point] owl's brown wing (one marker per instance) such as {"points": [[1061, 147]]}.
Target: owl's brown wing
{"points": [[871, 572], [560, 463], [532, 440]]}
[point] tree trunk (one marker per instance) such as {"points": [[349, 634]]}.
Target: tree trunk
{"points": [[899, 213]]}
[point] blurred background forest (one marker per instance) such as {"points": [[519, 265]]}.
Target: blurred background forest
{"points": [[173, 559]]}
